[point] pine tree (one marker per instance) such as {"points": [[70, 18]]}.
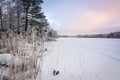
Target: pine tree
{"points": [[28, 4]]}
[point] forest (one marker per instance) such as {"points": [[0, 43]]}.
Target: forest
{"points": [[24, 31]]}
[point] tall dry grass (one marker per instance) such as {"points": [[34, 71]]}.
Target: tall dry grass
{"points": [[21, 56]]}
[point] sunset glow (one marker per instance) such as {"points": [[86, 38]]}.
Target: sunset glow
{"points": [[83, 16]]}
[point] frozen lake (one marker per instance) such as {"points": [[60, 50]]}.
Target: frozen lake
{"points": [[82, 59]]}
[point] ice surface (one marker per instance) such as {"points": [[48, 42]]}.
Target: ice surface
{"points": [[82, 59]]}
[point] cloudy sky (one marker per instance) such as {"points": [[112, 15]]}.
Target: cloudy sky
{"points": [[74, 17]]}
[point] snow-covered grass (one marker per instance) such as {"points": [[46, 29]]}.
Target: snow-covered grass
{"points": [[83, 59], [20, 56]]}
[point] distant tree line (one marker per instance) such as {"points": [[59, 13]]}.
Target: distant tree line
{"points": [[22, 15], [109, 35], [53, 33]]}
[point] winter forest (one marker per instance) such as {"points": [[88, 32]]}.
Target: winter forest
{"points": [[59, 40], [24, 33]]}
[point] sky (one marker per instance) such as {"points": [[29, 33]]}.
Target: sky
{"points": [[73, 17]]}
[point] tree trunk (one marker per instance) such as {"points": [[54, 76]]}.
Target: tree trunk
{"points": [[18, 19], [10, 18], [10, 24], [1, 18], [26, 19]]}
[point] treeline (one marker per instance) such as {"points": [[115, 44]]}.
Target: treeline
{"points": [[109, 35], [22, 16]]}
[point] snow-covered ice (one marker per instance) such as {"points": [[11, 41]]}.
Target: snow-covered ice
{"points": [[82, 59]]}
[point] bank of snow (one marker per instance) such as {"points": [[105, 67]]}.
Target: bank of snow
{"points": [[7, 60]]}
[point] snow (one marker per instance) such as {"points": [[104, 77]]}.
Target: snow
{"points": [[74, 58], [82, 59], [7, 59]]}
